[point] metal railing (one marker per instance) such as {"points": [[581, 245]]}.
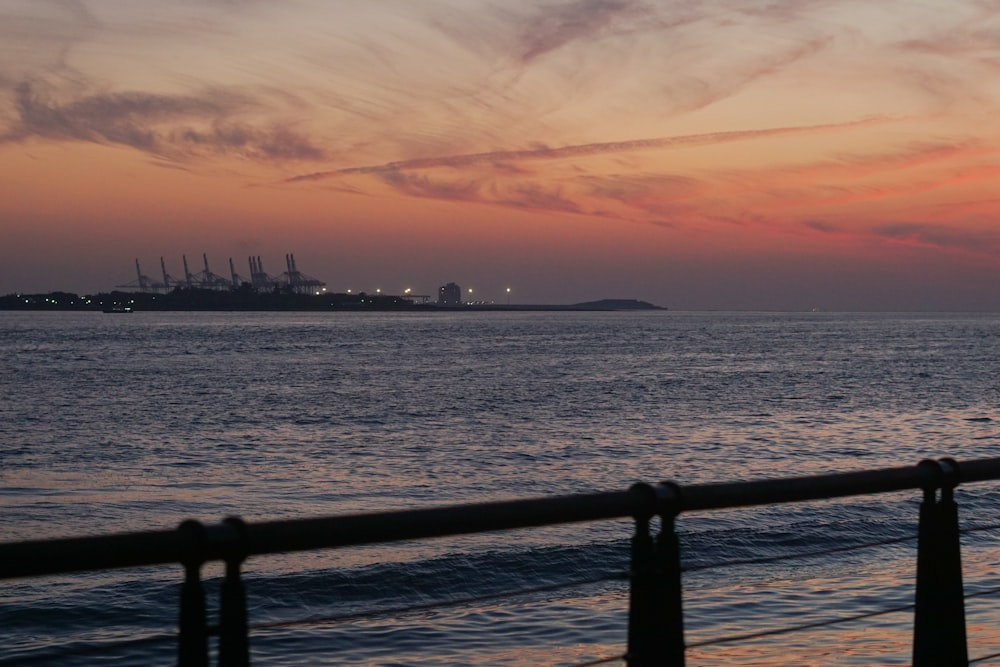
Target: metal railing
{"points": [[656, 620]]}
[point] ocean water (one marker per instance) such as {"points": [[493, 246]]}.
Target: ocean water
{"points": [[112, 423]]}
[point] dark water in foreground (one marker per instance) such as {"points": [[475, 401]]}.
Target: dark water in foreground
{"points": [[135, 422]]}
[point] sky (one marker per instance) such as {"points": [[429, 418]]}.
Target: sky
{"points": [[728, 154]]}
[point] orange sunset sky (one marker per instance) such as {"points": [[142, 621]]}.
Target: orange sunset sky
{"points": [[734, 154]]}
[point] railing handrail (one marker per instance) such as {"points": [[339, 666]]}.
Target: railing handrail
{"points": [[135, 549]]}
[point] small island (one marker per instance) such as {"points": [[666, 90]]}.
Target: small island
{"points": [[616, 304]]}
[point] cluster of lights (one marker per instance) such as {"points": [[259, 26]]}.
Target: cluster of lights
{"points": [[408, 290]]}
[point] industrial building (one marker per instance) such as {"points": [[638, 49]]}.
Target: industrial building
{"points": [[449, 295]]}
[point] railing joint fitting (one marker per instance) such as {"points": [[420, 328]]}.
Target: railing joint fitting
{"points": [[934, 474], [237, 545], [950, 473], [669, 499], [646, 501], [193, 544]]}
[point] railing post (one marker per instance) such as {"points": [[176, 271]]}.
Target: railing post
{"points": [[939, 638], [671, 608], [642, 592], [234, 642], [656, 619], [192, 638]]}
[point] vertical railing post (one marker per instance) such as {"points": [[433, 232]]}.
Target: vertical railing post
{"points": [[642, 591], [939, 637], [656, 618], [192, 638], [670, 608], [234, 642]]}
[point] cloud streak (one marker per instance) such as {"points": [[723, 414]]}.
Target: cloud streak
{"points": [[827, 197], [581, 150], [930, 235]]}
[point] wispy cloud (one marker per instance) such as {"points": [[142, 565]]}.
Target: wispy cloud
{"points": [[822, 198], [581, 150], [688, 93], [933, 235], [422, 186], [172, 126], [525, 33], [276, 142], [123, 118], [844, 180], [37, 36], [539, 198], [556, 25]]}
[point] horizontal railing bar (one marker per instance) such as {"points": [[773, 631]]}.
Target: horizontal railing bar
{"points": [[78, 554], [978, 470], [358, 529], [800, 489], [65, 555]]}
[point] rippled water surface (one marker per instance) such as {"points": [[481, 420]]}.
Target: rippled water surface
{"points": [[136, 422]]}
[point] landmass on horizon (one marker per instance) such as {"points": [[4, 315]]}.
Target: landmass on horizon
{"points": [[247, 298], [291, 290]]}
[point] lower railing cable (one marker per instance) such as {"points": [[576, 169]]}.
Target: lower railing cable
{"points": [[53, 656], [977, 529], [797, 628], [213, 630], [600, 661], [430, 606], [763, 560], [977, 594]]}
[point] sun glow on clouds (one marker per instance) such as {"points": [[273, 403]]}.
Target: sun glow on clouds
{"points": [[722, 130]]}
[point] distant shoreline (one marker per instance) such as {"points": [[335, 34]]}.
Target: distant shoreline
{"points": [[194, 299]]}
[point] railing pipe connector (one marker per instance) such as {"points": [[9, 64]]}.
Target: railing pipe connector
{"points": [[931, 476], [951, 474], [645, 501], [192, 637], [669, 499]]}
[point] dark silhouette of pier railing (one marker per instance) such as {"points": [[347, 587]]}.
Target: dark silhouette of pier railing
{"points": [[656, 621]]}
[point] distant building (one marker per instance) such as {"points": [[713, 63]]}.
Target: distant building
{"points": [[449, 295]]}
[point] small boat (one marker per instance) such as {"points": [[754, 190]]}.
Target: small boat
{"points": [[118, 308]]}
